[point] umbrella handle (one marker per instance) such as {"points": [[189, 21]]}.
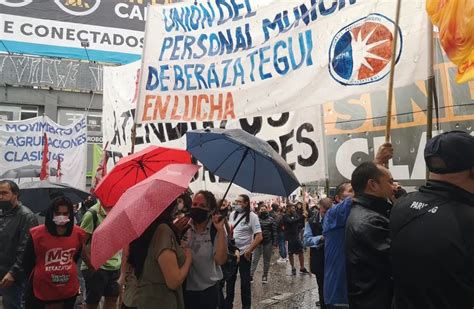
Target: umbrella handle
{"points": [[236, 171]]}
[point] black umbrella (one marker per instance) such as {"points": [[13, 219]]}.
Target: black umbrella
{"points": [[27, 171], [37, 195], [244, 159]]}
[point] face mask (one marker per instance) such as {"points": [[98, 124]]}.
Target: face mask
{"points": [[180, 206], [263, 214], [239, 208], [198, 215], [61, 220], [5, 205]]}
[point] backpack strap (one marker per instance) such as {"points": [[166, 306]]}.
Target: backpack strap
{"points": [[95, 218], [237, 223]]}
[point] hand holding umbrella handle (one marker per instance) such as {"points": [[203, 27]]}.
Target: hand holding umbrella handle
{"points": [[218, 221]]}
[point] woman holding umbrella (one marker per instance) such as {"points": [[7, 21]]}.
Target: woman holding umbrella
{"points": [[51, 257], [160, 264]]}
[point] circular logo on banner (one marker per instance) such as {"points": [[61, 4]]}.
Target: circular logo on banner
{"points": [[78, 7], [15, 3], [360, 52]]}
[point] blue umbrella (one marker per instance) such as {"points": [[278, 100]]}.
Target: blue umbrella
{"points": [[242, 158]]}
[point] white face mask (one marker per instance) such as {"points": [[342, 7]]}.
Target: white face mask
{"points": [[61, 220]]}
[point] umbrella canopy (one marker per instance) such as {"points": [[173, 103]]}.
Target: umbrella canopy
{"points": [[37, 195], [138, 207], [27, 171], [244, 159], [134, 168]]}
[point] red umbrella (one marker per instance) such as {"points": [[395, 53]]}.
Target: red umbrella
{"points": [[137, 209], [134, 168]]}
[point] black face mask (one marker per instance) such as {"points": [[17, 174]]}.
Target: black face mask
{"points": [[5, 205], [263, 214], [198, 215]]}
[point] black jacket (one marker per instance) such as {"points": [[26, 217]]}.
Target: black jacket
{"points": [[316, 254], [269, 230], [14, 232], [291, 223], [433, 248], [368, 267]]}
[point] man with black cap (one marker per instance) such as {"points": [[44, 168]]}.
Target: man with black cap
{"points": [[432, 230]]}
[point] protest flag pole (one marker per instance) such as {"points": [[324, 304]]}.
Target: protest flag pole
{"points": [[392, 73], [431, 87], [140, 86], [431, 84]]}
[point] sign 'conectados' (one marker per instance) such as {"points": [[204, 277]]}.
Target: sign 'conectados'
{"points": [[113, 29], [73, 34]]}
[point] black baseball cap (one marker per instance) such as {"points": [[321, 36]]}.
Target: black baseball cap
{"points": [[450, 152]]}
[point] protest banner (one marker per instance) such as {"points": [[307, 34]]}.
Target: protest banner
{"points": [[224, 60], [354, 127], [22, 144], [296, 136]]}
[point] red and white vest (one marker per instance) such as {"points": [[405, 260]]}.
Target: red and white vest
{"points": [[55, 274]]}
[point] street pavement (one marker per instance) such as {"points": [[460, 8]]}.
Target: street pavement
{"points": [[282, 290]]}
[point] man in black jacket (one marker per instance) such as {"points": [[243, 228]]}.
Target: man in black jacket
{"points": [[15, 222], [432, 230], [367, 238], [292, 221]]}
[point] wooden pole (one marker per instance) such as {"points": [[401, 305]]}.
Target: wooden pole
{"points": [[134, 135], [392, 73], [431, 87]]}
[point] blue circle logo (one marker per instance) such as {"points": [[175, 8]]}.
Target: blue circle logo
{"points": [[360, 53]]}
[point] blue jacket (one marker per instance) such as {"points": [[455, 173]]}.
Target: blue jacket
{"points": [[335, 281]]}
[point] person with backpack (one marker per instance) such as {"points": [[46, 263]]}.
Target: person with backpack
{"points": [[102, 282], [207, 240], [270, 240], [247, 234]]}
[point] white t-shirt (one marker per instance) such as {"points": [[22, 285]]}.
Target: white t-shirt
{"points": [[244, 231]]}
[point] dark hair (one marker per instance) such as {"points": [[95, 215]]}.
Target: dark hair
{"points": [[54, 206], [275, 207], [13, 186], [210, 199], [246, 199], [340, 189], [138, 248], [260, 205], [362, 174], [187, 200]]}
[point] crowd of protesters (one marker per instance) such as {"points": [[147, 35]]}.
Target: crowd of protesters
{"points": [[371, 245]]}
